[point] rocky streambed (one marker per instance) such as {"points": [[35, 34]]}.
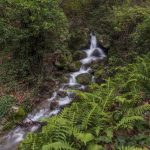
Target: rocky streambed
{"points": [[90, 59]]}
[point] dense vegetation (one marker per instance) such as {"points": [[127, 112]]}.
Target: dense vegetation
{"points": [[38, 39], [113, 115]]}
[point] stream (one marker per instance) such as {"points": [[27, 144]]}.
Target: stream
{"points": [[47, 109]]}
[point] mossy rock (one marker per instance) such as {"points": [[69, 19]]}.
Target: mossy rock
{"points": [[72, 67], [75, 66], [19, 113], [65, 78], [84, 78], [78, 55]]}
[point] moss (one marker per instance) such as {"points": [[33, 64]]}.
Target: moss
{"points": [[19, 114], [84, 78], [78, 55]]}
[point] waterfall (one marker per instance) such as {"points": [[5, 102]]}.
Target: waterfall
{"points": [[12, 139]]}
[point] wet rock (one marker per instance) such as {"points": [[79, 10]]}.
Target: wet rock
{"points": [[73, 67], [99, 80], [78, 55], [54, 105], [96, 53], [84, 78], [31, 123], [72, 95], [62, 93], [72, 87]]}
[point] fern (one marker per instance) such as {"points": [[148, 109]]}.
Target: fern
{"points": [[84, 137], [100, 116], [88, 118], [131, 148], [58, 146], [126, 121], [140, 110]]}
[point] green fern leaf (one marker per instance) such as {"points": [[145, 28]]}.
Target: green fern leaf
{"points": [[58, 146], [125, 121]]}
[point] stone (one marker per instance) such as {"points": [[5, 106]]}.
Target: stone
{"points": [[54, 105], [96, 53], [84, 78], [99, 80], [62, 93], [15, 109], [65, 78], [78, 55], [77, 64]]}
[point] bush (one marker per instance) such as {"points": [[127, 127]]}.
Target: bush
{"points": [[131, 22], [5, 105], [30, 28]]}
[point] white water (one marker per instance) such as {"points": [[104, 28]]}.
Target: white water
{"points": [[14, 137]]}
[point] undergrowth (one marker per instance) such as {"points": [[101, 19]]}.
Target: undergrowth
{"points": [[114, 115]]}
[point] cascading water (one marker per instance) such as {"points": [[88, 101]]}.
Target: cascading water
{"points": [[12, 139]]}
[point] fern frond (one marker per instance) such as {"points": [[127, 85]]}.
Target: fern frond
{"points": [[94, 147], [88, 118], [140, 110], [132, 148], [125, 121], [58, 146], [84, 137]]}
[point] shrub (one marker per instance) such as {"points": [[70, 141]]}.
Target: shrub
{"points": [[30, 28], [5, 105]]}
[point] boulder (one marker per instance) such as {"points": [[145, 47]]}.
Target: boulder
{"points": [[54, 105], [96, 53], [99, 80], [84, 78], [65, 78], [75, 66], [62, 94], [78, 55], [18, 112]]}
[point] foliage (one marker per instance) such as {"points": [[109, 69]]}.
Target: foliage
{"points": [[106, 117], [131, 26], [29, 29], [5, 105]]}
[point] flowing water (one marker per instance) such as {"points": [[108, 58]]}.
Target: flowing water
{"points": [[14, 137]]}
